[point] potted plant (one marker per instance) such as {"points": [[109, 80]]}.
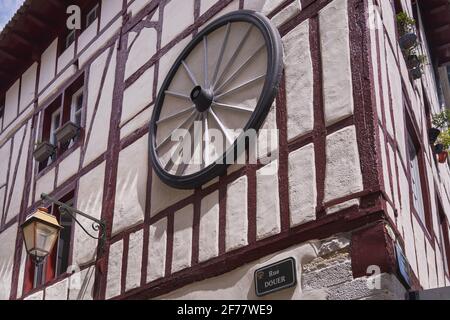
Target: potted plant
{"points": [[414, 60], [67, 132], [416, 73], [443, 146], [43, 151], [440, 121], [408, 38]]}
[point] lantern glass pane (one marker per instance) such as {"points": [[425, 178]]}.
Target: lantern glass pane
{"points": [[45, 238], [28, 235]]}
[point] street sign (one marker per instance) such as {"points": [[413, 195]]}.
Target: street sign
{"points": [[277, 276]]}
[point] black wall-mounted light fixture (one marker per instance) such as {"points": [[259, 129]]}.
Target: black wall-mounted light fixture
{"points": [[41, 229]]}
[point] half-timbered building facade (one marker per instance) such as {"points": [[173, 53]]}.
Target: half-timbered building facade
{"points": [[358, 198]]}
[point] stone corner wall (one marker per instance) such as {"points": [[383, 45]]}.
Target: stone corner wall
{"points": [[329, 276]]}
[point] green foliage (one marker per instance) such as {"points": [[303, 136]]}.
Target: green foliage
{"points": [[444, 138], [405, 23], [441, 120]]}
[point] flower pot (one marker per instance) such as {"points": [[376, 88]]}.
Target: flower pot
{"points": [[442, 157], [416, 73], [67, 132], [412, 61], [408, 40], [433, 134], [438, 148], [43, 151]]}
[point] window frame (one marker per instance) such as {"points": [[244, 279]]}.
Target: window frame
{"points": [[444, 238], [74, 105], [412, 133], [63, 103], [2, 111], [95, 9]]}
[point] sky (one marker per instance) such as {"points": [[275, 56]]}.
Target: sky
{"points": [[7, 10]]}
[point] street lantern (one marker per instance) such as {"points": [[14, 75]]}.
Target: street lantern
{"points": [[41, 229], [40, 232]]}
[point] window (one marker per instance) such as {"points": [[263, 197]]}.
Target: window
{"points": [[92, 15], [416, 185], [55, 124], [67, 107], [57, 262], [2, 111], [76, 107], [70, 38], [445, 241]]}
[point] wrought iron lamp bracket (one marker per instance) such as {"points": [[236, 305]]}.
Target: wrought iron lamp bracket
{"points": [[97, 225]]}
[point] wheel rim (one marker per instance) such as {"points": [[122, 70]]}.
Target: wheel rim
{"points": [[226, 78]]}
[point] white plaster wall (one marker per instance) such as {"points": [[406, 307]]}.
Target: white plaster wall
{"points": [[181, 11], [89, 200], [58, 291], [28, 87], [287, 13], [267, 201], [302, 185], [110, 9], [335, 50], [136, 6], [268, 137], [167, 60], [7, 241], [99, 136], [343, 172], [45, 184], [100, 42], [156, 264], [134, 263], [182, 238], [299, 81], [163, 196], [11, 103], [236, 214], [140, 120], [66, 57], [68, 167], [131, 186], [138, 96], [142, 49], [56, 84], [48, 65], [422, 261], [209, 227], [36, 296], [4, 154], [113, 279], [86, 36], [239, 285], [81, 284], [18, 187]]}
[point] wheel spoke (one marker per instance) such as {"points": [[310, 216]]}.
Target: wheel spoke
{"points": [[249, 82], [170, 163], [222, 51], [177, 114], [234, 56], [238, 70], [205, 158], [221, 126], [205, 47], [229, 106], [188, 120], [189, 72], [177, 95]]}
